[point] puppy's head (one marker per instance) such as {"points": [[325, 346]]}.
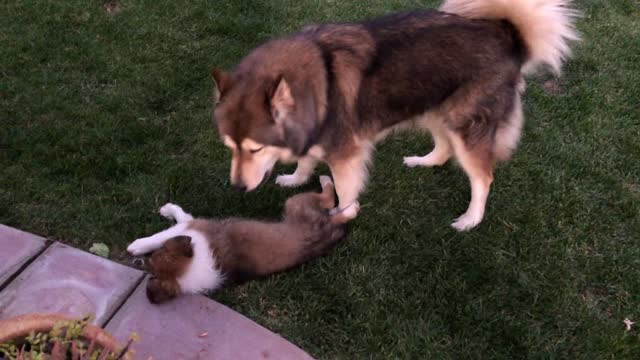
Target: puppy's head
{"points": [[162, 290], [270, 107], [167, 265]]}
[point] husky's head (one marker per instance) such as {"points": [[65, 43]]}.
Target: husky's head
{"points": [[270, 108]]}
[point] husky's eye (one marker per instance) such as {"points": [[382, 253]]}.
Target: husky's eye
{"points": [[253, 151]]}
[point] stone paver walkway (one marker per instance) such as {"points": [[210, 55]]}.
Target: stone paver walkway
{"points": [[16, 248], [61, 279]]}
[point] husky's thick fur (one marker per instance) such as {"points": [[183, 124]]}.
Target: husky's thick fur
{"points": [[198, 255], [329, 92]]}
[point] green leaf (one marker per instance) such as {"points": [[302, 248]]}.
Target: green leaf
{"points": [[100, 249]]}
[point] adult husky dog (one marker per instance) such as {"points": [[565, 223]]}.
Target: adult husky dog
{"points": [[330, 92]]}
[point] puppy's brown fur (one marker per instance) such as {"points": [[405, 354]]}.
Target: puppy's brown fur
{"points": [[245, 249]]}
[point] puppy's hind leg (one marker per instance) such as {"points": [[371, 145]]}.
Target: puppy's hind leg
{"points": [[442, 147], [172, 211], [328, 201], [327, 196]]}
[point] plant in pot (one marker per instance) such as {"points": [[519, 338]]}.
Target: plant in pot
{"points": [[57, 337]]}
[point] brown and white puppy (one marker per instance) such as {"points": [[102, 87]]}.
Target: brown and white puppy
{"points": [[198, 255], [330, 92]]}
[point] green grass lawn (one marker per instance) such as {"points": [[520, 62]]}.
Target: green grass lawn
{"points": [[106, 115]]}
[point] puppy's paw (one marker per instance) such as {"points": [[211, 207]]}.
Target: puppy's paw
{"points": [[168, 210], [466, 222], [325, 180], [175, 212], [289, 180], [139, 247]]}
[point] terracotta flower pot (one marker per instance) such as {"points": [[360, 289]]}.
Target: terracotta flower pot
{"points": [[21, 326]]}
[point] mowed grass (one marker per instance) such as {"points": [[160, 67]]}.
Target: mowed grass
{"points": [[106, 115]]}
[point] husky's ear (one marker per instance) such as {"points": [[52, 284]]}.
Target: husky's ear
{"points": [[221, 83], [294, 117], [282, 100]]}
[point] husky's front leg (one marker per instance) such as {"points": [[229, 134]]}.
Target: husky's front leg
{"points": [[303, 172], [350, 177]]}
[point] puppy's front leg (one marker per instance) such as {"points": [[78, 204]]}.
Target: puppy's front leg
{"points": [[175, 212], [147, 244], [350, 177], [303, 172]]}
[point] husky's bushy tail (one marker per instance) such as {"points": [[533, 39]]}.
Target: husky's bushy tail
{"points": [[546, 26]]}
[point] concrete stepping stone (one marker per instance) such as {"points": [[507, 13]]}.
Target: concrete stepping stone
{"points": [[16, 248], [195, 327], [69, 281]]}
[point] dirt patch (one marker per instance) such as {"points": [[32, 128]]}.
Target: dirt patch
{"points": [[552, 87], [112, 6], [602, 298], [633, 188]]}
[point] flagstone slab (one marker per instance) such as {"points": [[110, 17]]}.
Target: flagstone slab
{"points": [[16, 248], [195, 327], [69, 281]]}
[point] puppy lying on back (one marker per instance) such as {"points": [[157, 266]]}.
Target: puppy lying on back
{"points": [[199, 255]]}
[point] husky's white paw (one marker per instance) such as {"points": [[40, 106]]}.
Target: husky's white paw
{"points": [[351, 211], [325, 180], [412, 161], [140, 247], [428, 160], [467, 221], [289, 180]]}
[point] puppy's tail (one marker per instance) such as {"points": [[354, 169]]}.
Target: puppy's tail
{"points": [[546, 26]]}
